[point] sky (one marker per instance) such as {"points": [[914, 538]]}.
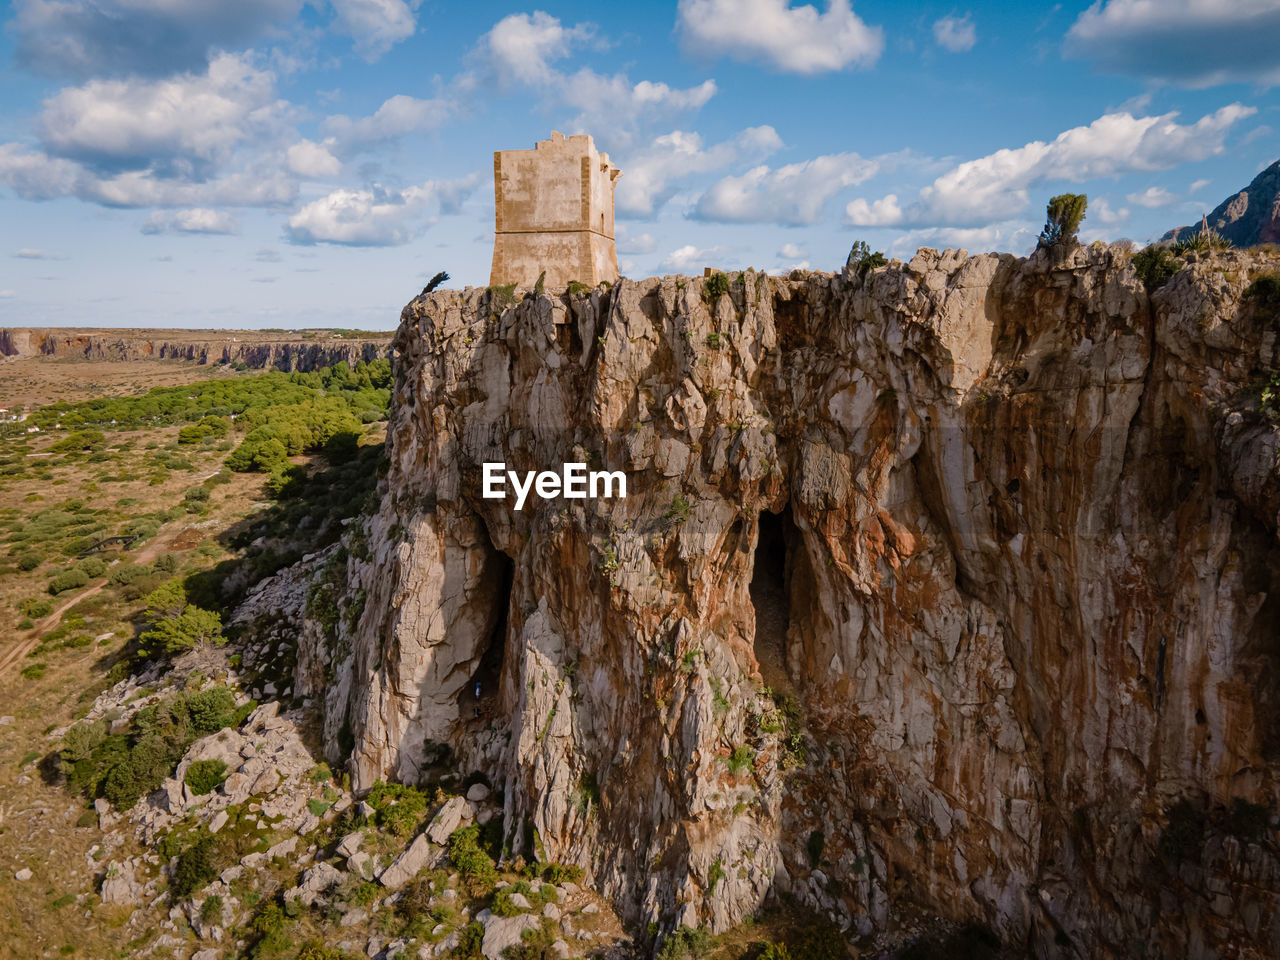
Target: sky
{"points": [[305, 163]]}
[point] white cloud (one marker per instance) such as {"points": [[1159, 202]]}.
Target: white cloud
{"points": [[396, 117], [997, 187], [267, 255], [191, 119], [689, 258], [1194, 43], [1152, 198], [884, 212], [375, 25], [787, 38], [1198, 185], [793, 194], [1101, 211], [309, 159], [649, 173], [519, 52], [956, 34], [644, 243], [137, 37], [34, 175], [26, 253], [197, 220], [523, 45], [791, 251], [376, 217]]}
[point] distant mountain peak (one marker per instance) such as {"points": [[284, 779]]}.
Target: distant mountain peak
{"points": [[1247, 218]]}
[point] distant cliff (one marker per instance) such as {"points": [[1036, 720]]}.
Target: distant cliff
{"points": [[280, 351], [1249, 217]]}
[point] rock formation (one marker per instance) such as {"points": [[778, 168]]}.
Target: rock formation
{"points": [[947, 588], [250, 348], [1248, 218]]}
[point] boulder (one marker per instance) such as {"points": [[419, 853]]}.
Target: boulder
{"points": [[455, 811], [503, 932], [405, 867], [315, 881]]}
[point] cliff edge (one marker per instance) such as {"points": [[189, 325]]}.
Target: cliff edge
{"points": [[949, 588]]}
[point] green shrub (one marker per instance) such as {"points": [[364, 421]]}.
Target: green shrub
{"points": [[1155, 267], [92, 566], [204, 776], [470, 938], [741, 759], [211, 709], [1063, 216], [685, 943], [715, 287], [862, 260], [211, 909], [36, 607], [29, 561], [194, 868], [68, 580], [34, 671], [774, 951], [501, 296], [472, 863]]}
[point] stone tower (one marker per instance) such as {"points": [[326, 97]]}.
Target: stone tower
{"points": [[553, 211]]}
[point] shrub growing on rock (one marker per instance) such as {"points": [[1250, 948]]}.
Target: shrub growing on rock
{"points": [[472, 863], [194, 868], [203, 776], [1063, 216], [1155, 267]]}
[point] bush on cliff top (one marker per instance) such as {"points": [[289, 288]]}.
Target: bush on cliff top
{"points": [[1063, 217], [1155, 267]]}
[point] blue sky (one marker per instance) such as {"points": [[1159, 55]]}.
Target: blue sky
{"points": [[249, 163]]}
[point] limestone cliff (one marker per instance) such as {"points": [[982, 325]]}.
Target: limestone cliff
{"points": [[950, 588], [254, 349], [1247, 218]]}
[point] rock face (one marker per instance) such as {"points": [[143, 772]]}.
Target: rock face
{"points": [[1248, 218], [253, 349], [947, 588]]}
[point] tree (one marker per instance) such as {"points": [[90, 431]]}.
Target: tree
{"points": [[176, 624], [1063, 217]]}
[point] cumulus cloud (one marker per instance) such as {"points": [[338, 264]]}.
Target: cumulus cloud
{"points": [[82, 38], [191, 120], [650, 173], [689, 259], [1001, 236], [374, 217], [956, 34], [635, 244], [996, 187], [1101, 211], [772, 32], [375, 25], [34, 175], [884, 212], [26, 253], [396, 117], [1193, 43], [791, 251], [1152, 198], [520, 51], [196, 220], [309, 159], [522, 46], [793, 195]]}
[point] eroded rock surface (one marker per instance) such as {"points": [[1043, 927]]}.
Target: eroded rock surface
{"points": [[1015, 603]]}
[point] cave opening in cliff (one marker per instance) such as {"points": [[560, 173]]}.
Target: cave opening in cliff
{"points": [[480, 698], [770, 591]]}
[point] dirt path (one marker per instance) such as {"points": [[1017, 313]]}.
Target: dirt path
{"points": [[145, 555]]}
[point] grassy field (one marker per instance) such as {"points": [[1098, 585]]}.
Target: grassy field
{"points": [[69, 623]]}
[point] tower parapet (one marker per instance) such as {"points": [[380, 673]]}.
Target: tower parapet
{"points": [[553, 212]]}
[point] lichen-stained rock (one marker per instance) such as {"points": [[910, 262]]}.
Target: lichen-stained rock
{"points": [[946, 587]]}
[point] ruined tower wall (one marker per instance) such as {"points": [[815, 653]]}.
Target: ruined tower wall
{"points": [[553, 211]]}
